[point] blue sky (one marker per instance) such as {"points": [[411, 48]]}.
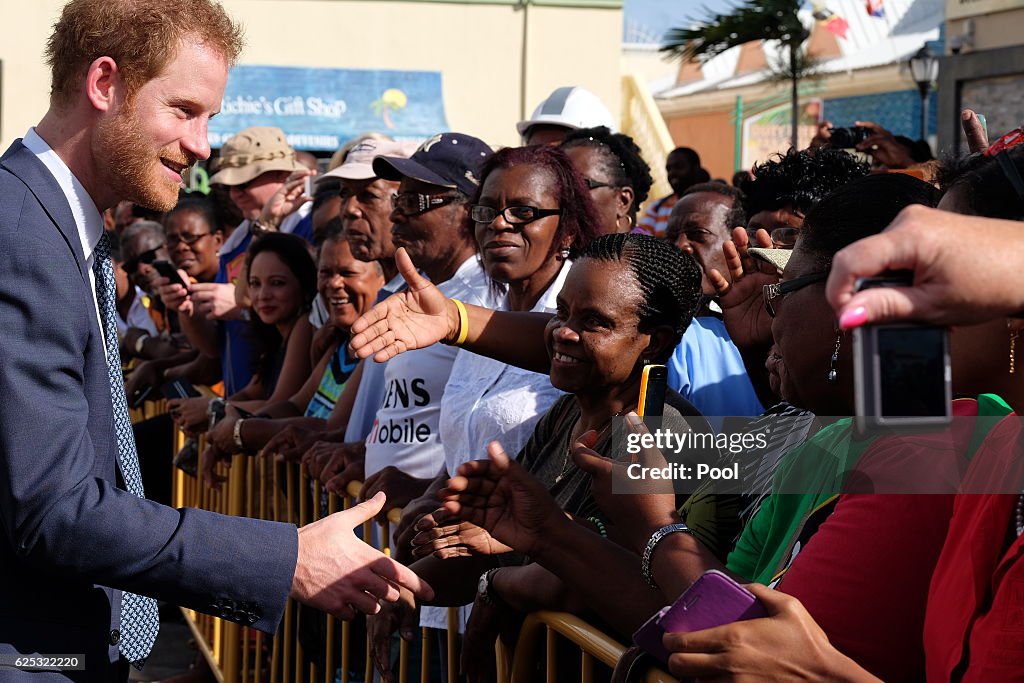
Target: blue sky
{"points": [[651, 18]]}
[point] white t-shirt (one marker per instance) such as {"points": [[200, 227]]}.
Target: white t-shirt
{"points": [[486, 400], [405, 431]]}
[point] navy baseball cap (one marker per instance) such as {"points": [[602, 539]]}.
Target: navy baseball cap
{"points": [[449, 160]]}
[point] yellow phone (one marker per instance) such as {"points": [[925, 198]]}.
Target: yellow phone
{"points": [[653, 385]]}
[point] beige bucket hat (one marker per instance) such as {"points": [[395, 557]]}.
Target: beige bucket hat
{"points": [[252, 152]]}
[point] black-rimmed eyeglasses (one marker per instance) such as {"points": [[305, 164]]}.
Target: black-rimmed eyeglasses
{"points": [[780, 289], [513, 215], [185, 238]]}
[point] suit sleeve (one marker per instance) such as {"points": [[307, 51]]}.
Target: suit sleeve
{"points": [[59, 507]]}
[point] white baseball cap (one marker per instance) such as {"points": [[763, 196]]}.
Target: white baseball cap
{"points": [[570, 106]]}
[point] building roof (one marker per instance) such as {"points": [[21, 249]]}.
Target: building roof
{"points": [[870, 42]]}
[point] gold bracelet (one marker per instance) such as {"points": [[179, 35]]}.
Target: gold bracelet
{"points": [[463, 322]]}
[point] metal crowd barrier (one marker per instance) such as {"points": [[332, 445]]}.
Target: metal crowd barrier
{"points": [[259, 488]]}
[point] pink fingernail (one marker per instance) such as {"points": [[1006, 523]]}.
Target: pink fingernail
{"points": [[854, 318]]}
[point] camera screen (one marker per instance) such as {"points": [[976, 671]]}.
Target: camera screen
{"points": [[912, 371]]}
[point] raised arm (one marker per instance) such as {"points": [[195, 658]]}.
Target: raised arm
{"points": [[422, 315]]}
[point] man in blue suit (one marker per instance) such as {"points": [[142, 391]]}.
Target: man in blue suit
{"points": [[135, 83]]}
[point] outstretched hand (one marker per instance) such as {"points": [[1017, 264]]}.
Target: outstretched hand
{"points": [[444, 536], [503, 498], [339, 574], [741, 299], [413, 319]]}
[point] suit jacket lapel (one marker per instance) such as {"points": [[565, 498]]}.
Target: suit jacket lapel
{"points": [[20, 161]]}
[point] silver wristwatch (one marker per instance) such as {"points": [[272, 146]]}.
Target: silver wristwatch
{"points": [[483, 588], [656, 537]]}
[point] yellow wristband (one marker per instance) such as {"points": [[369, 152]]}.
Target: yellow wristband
{"points": [[463, 322]]}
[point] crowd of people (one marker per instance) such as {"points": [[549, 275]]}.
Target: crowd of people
{"points": [[464, 329], [519, 297]]}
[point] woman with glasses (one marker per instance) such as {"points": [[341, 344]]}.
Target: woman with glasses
{"points": [[194, 238], [618, 177]]}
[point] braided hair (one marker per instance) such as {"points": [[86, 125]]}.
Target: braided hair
{"points": [[620, 159], [668, 278]]}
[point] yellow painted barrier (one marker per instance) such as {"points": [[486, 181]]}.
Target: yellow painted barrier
{"points": [[261, 488], [642, 121]]}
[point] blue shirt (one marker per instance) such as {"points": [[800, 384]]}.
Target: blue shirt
{"points": [[304, 228], [235, 349], [707, 370]]}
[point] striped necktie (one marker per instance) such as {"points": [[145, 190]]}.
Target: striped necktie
{"points": [[140, 620]]}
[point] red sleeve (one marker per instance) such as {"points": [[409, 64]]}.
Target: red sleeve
{"points": [[864, 578]]}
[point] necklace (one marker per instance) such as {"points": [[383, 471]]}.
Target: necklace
{"points": [[1019, 515], [567, 463]]}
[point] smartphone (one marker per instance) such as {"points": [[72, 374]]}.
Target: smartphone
{"points": [[166, 269], [713, 600], [653, 384], [307, 187], [179, 388], [902, 372], [141, 396]]}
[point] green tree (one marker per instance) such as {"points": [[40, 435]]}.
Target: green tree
{"points": [[750, 21]]}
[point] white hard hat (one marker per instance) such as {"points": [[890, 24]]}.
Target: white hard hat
{"points": [[572, 107]]}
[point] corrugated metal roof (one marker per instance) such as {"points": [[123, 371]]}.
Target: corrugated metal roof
{"points": [[870, 42]]}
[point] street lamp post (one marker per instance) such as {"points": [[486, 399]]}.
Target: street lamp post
{"points": [[924, 68]]}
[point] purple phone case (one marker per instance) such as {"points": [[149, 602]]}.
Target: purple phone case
{"points": [[713, 600]]}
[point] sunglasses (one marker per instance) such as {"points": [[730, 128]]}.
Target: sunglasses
{"points": [[414, 203], [146, 257]]}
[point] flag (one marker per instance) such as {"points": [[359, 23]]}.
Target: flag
{"points": [[875, 8], [837, 26]]}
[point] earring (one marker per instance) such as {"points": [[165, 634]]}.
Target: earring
{"points": [[1013, 350], [564, 253], [832, 374]]}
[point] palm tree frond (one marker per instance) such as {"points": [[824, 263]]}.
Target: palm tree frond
{"points": [[753, 20]]}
